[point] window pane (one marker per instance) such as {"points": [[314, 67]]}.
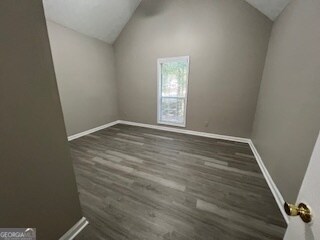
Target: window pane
{"points": [[172, 98], [172, 110], [174, 79]]}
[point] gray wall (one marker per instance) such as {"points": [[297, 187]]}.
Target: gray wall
{"points": [[85, 73], [38, 186], [227, 42], [288, 112]]}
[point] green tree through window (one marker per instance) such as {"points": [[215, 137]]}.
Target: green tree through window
{"points": [[173, 90]]}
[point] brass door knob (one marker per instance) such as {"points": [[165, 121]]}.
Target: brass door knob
{"points": [[301, 210]]}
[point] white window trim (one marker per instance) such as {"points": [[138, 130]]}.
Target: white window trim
{"points": [[166, 60]]}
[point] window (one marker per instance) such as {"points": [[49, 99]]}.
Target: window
{"points": [[172, 90]]}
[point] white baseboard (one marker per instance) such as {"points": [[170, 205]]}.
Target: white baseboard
{"points": [[273, 187], [78, 135], [75, 230], [275, 191], [190, 132]]}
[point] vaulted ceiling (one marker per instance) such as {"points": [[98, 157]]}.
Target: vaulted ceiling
{"points": [[270, 8], [101, 19], [105, 19]]}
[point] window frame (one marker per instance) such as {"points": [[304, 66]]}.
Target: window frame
{"points": [[160, 61]]}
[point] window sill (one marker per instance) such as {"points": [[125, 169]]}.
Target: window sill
{"points": [[172, 124]]}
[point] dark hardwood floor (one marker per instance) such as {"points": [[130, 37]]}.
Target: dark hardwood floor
{"points": [[143, 184]]}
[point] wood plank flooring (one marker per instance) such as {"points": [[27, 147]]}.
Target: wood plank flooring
{"points": [[144, 184]]}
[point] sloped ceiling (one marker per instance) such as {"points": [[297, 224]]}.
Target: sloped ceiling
{"points": [[270, 8], [105, 19], [101, 19]]}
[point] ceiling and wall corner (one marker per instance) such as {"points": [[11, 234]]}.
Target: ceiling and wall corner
{"points": [[101, 19], [271, 8], [105, 19], [223, 89]]}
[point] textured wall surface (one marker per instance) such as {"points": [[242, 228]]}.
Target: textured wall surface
{"points": [[86, 79], [38, 187], [227, 42], [288, 118]]}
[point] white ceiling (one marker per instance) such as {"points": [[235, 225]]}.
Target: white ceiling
{"points": [[105, 19], [270, 8], [102, 19]]}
